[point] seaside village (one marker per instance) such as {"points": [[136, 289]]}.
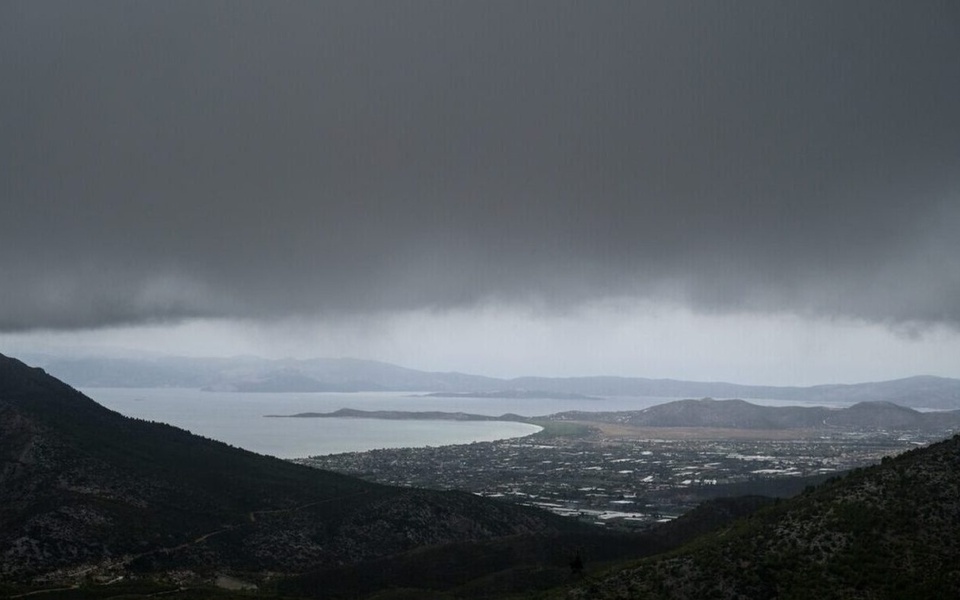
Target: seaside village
{"points": [[626, 483]]}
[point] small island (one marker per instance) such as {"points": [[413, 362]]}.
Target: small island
{"points": [[351, 413], [518, 394]]}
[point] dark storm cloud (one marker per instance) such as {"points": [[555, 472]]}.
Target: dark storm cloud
{"points": [[171, 159]]}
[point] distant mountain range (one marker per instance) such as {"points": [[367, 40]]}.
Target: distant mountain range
{"points": [[722, 414], [738, 414], [251, 374]]}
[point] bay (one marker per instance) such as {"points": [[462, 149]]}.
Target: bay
{"points": [[238, 418]]}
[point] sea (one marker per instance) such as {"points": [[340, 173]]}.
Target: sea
{"points": [[239, 419]]}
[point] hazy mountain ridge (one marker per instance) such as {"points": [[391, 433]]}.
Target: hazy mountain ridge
{"points": [[83, 489], [888, 531], [739, 414], [256, 374], [708, 413], [346, 374]]}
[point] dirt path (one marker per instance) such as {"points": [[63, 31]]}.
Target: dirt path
{"points": [[47, 591]]}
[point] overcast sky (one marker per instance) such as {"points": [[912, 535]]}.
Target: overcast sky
{"points": [[749, 191]]}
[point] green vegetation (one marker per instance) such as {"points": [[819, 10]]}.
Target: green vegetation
{"points": [[493, 568], [890, 531], [553, 429]]}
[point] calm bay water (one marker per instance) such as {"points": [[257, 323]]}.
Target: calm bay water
{"points": [[238, 419]]}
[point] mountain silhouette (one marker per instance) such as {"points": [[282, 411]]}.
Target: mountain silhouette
{"points": [[85, 490]]}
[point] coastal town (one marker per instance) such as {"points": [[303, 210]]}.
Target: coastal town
{"points": [[616, 477]]}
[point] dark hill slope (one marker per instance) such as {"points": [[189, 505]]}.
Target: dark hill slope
{"points": [[85, 489], [519, 564], [889, 531]]}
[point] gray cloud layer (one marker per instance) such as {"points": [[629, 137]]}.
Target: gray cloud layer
{"points": [[169, 159]]}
